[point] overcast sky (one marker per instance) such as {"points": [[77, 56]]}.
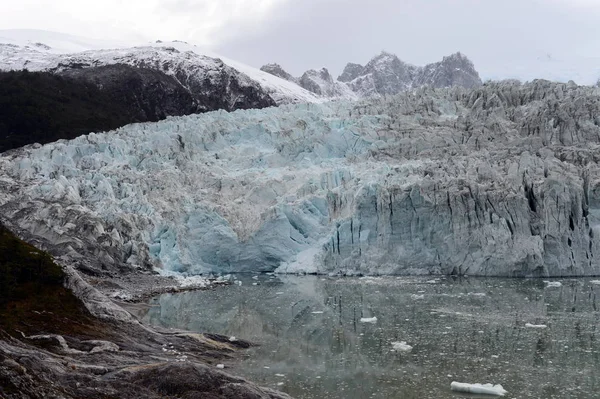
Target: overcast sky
{"points": [[504, 38]]}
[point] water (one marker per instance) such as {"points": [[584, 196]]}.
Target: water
{"points": [[313, 344]]}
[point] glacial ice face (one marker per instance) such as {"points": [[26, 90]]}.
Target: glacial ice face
{"points": [[501, 180]]}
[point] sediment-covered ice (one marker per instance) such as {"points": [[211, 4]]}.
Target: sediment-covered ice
{"points": [[502, 180]]}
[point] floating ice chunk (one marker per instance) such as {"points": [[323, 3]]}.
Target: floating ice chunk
{"points": [[401, 346], [279, 375], [597, 282], [554, 284], [485, 389], [317, 312], [432, 281], [417, 297], [239, 282], [192, 281], [529, 325], [232, 339], [477, 294], [368, 320], [220, 366]]}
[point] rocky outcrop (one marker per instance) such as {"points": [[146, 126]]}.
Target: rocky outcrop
{"points": [[351, 71], [277, 70], [498, 180]]}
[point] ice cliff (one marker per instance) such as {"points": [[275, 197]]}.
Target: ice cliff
{"points": [[501, 180]]}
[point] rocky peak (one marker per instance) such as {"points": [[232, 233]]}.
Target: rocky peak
{"points": [[390, 74], [321, 83], [454, 70], [316, 81], [351, 72], [276, 70]]}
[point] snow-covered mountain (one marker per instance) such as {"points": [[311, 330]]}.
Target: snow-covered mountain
{"points": [[498, 180], [386, 74], [198, 70]]}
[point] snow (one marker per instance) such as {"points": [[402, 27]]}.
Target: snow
{"points": [[401, 346], [484, 389], [529, 325], [371, 320], [55, 42]]}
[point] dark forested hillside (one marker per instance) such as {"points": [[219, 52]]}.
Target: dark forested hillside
{"points": [[43, 107]]}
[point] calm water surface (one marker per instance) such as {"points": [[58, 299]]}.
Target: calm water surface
{"points": [[314, 345]]}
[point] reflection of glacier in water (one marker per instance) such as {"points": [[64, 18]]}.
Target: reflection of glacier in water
{"points": [[313, 344]]}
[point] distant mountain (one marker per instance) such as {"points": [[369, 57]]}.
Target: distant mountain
{"points": [[387, 74], [321, 83], [318, 82]]}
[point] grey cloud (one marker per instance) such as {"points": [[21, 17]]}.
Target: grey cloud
{"points": [[305, 34]]}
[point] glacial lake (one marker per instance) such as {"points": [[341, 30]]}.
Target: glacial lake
{"points": [[313, 343]]}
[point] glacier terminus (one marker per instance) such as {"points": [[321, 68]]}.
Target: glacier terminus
{"points": [[499, 180]]}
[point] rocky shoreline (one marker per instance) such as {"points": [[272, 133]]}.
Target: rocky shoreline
{"points": [[86, 345]]}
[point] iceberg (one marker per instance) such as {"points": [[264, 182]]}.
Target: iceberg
{"points": [[401, 346], [484, 389], [371, 320], [529, 325]]}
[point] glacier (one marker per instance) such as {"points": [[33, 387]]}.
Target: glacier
{"points": [[501, 180]]}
